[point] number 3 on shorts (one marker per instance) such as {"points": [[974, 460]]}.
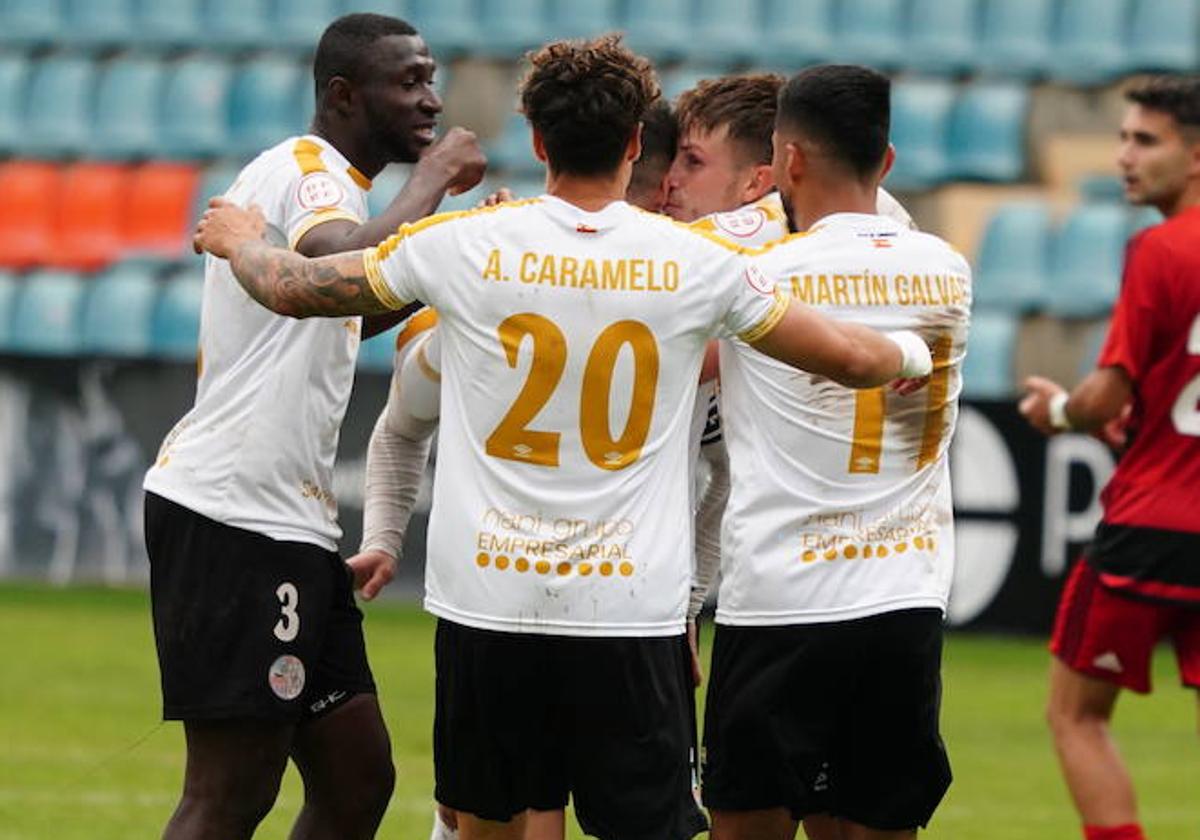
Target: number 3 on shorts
{"points": [[288, 625]]}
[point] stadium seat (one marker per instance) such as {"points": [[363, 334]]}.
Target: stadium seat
{"points": [[920, 122], [1015, 37], [238, 24], [376, 353], [1101, 188], [9, 288], [298, 24], [448, 26], [796, 32], [942, 35], [1013, 263], [575, 19], [385, 186], [158, 218], [46, 314], [29, 22], [510, 27], [513, 149], [1165, 35], [1089, 43], [192, 121], [987, 131], [30, 192], [87, 230], [175, 327], [265, 103], [167, 23], [124, 123], [988, 368], [660, 30], [14, 74], [395, 8], [214, 181], [1086, 261], [97, 23], [118, 311], [57, 106], [869, 32], [725, 32]]}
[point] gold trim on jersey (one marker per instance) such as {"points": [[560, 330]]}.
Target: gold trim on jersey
{"points": [[778, 309], [406, 230], [774, 211], [939, 390], [424, 320], [319, 218], [359, 178], [430, 372], [867, 447], [696, 228], [308, 156], [383, 292]]}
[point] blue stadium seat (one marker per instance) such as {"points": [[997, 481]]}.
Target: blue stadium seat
{"points": [[660, 30], [118, 310], [57, 104], [513, 149], [98, 23], [796, 32], [1089, 44], [124, 123], [14, 75], [987, 131], [448, 26], [175, 327], [1016, 36], [582, 18], [192, 122], [510, 27], [9, 289], [1165, 35], [920, 122], [298, 24], [1013, 263], [1086, 261], [869, 32], [215, 181], [264, 103], [988, 368], [942, 35], [1101, 188], [46, 314], [29, 22], [168, 23], [237, 24], [376, 353], [725, 32]]}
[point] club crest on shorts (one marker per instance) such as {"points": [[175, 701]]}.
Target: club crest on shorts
{"points": [[286, 677]]}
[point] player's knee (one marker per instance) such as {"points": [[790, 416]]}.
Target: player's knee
{"points": [[239, 810]]}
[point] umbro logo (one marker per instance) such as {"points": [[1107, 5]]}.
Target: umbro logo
{"points": [[1109, 662]]}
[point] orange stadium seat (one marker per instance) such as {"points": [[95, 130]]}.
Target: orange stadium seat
{"points": [[87, 230], [30, 190], [158, 216]]}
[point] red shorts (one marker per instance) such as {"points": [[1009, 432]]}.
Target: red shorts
{"points": [[1112, 637]]}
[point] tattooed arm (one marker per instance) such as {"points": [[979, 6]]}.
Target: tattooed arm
{"points": [[283, 281]]}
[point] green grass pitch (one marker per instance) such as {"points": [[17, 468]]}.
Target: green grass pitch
{"points": [[82, 754]]}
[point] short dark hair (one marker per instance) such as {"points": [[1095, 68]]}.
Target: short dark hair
{"points": [[843, 108], [342, 50], [1176, 95], [660, 136], [746, 104], [586, 98]]}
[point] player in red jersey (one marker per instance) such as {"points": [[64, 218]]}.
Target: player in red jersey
{"points": [[1140, 579]]}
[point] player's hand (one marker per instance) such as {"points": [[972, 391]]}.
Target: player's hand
{"points": [[372, 570], [225, 225], [904, 387], [458, 159], [1115, 433], [1035, 405], [694, 648], [498, 197]]}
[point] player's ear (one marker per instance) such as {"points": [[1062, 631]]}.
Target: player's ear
{"points": [[633, 149], [889, 159], [759, 183], [795, 162], [539, 146], [339, 96]]}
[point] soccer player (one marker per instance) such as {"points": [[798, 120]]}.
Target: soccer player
{"points": [[1140, 579], [573, 329], [838, 537], [259, 641]]}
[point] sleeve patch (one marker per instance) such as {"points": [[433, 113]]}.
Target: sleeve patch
{"points": [[758, 281], [319, 190], [741, 223]]}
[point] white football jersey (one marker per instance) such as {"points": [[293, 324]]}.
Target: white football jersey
{"points": [[571, 350], [257, 449], [840, 503]]}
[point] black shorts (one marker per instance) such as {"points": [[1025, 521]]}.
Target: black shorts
{"points": [[247, 626], [523, 720], [838, 718]]}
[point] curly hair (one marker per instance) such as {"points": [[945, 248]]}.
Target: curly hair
{"points": [[586, 99], [1178, 96], [745, 104]]}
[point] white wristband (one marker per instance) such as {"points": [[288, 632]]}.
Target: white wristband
{"points": [[915, 359], [1058, 412]]}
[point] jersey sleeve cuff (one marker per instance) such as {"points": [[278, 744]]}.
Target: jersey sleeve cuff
{"points": [[376, 281], [319, 218], [769, 321]]}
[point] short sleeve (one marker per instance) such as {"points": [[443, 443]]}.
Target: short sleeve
{"points": [[754, 306], [1131, 333], [397, 268], [315, 194]]}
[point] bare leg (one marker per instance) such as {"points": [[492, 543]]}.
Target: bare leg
{"points": [[231, 780], [545, 825], [1079, 711], [345, 758], [773, 824], [822, 827], [471, 827]]}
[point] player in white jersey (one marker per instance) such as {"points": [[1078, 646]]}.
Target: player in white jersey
{"points": [[559, 555], [259, 641], [838, 537]]}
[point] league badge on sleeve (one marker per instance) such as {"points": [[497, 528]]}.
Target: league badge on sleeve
{"points": [[741, 223], [319, 190], [759, 281]]}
